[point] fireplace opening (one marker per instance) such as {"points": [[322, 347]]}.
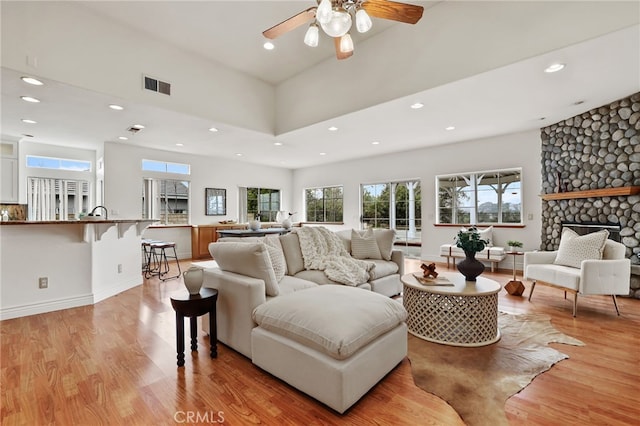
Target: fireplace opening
{"points": [[584, 228]]}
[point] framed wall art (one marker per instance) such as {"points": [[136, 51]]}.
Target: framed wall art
{"points": [[215, 201]]}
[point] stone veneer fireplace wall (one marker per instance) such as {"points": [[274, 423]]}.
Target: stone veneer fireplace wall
{"points": [[594, 150]]}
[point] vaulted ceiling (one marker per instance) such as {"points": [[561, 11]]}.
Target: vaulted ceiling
{"points": [[476, 66]]}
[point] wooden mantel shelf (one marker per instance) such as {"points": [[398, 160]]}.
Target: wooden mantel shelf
{"points": [[604, 192]]}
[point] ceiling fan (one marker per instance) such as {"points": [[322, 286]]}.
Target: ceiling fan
{"points": [[335, 19]]}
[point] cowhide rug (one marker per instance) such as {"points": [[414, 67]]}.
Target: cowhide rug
{"points": [[477, 382]]}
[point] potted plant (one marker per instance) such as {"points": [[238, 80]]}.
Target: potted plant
{"points": [[514, 245], [469, 240]]}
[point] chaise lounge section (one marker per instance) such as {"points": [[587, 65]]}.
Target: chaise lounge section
{"points": [[267, 278]]}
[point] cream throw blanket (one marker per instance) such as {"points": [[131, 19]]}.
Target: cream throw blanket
{"points": [[323, 250]]}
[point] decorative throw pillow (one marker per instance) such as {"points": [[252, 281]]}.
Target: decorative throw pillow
{"points": [[276, 254], [364, 246], [292, 252], [251, 259], [575, 248], [385, 239], [487, 234]]}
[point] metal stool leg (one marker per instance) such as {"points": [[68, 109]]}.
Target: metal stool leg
{"points": [[165, 261]]}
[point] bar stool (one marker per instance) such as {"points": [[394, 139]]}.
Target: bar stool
{"points": [[161, 258], [150, 265]]}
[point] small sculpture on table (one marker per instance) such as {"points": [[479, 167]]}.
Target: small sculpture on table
{"points": [[429, 271]]}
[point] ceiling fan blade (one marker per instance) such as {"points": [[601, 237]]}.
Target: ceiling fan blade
{"points": [[402, 12], [291, 23], [340, 54]]}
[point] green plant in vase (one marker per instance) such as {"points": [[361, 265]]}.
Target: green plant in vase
{"points": [[514, 245], [470, 241]]}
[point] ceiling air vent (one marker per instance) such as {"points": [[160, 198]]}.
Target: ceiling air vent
{"points": [[156, 85]]}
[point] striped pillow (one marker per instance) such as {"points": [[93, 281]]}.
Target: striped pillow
{"points": [[364, 246]]}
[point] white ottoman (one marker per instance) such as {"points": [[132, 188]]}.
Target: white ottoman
{"points": [[332, 342]]}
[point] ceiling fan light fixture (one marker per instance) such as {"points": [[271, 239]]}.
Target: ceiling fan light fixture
{"points": [[346, 43], [311, 37], [323, 13], [363, 21], [339, 24]]}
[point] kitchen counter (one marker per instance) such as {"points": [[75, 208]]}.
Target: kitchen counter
{"points": [[82, 262], [73, 222]]}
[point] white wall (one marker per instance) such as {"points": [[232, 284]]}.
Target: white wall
{"points": [[180, 235], [123, 184], [80, 261], [508, 151], [123, 180]]}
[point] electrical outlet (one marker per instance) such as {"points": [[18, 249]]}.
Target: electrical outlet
{"points": [[119, 268], [43, 282], [530, 216]]}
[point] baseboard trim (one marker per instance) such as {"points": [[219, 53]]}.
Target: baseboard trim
{"points": [[117, 288], [68, 303], [44, 307]]}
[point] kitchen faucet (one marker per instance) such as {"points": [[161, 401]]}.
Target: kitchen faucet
{"points": [[99, 207]]}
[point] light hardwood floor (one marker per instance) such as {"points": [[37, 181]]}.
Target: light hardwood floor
{"points": [[114, 363]]}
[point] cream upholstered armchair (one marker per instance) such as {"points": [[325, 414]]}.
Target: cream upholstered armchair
{"points": [[576, 267]]}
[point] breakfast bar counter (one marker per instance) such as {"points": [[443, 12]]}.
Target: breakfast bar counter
{"points": [[51, 265]]}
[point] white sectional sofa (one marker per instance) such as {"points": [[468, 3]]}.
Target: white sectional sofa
{"points": [[257, 278]]}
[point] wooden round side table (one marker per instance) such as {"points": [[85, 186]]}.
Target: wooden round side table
{"points": [[193, 306], [515, 286]]}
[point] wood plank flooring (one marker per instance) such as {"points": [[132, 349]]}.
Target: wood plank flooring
{"points": [[114, 363]]}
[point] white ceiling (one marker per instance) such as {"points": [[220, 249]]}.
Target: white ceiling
{"points": [[512, 98]]}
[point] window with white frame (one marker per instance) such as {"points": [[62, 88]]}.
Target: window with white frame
{"points": [[56, 199], [166, 167], [324, 204], [393, 205], [259, 201], [489, 197], [52, 163], [166, 200]]}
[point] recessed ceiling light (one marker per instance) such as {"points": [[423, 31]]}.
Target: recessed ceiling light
{"points": [[542, 118], [417, 105], [213, 129], [116, 107], [375, 143], [238, 154], [26, 120], [26, 135], [268, 45], [450, 128], [29, 99], [138, 126], [554, 68], [32, 80], [277, 143], [123, 138], [578, 102], [323, 153], [179, 144], [333, 128]]}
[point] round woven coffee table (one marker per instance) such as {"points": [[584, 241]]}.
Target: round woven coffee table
{"points": [[464, 314]]}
